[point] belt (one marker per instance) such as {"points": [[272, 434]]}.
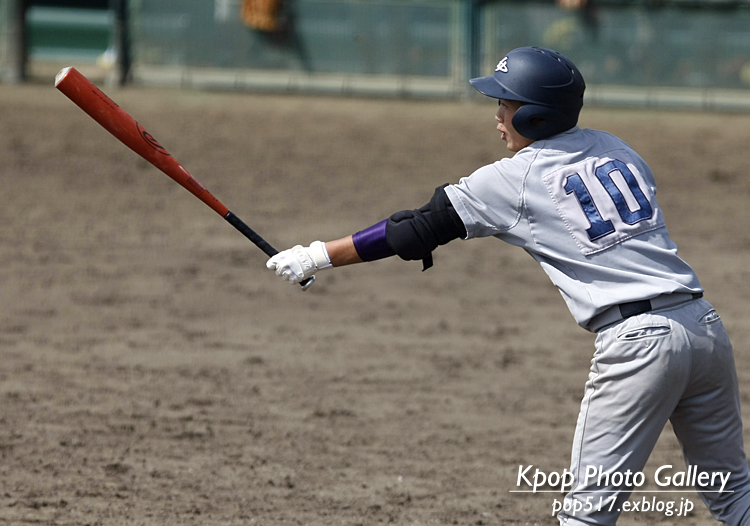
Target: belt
{"points": [[633, 308]]}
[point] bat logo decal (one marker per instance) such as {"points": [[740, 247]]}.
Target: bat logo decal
{"points": [[151, 141]]}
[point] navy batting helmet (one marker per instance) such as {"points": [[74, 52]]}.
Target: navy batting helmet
{"points": [[548, 84]]}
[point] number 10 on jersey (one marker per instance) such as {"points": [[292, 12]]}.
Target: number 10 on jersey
{"points": [[601, 227]]}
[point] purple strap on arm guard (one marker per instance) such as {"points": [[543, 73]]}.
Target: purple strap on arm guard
{"points": [[371, 244]]}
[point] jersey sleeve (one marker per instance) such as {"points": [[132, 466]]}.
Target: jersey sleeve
{"points": [[490, 201]]}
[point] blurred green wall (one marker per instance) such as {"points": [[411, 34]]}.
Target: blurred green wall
{"points": [[659, 44], [406, 47]]}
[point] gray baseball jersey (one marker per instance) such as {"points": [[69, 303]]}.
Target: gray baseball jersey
{"points": [[583, 204]]}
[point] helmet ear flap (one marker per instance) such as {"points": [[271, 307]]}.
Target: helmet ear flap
{"points": [[537, 122]]}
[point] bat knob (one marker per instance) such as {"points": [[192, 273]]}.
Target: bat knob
{"points": [[307, 283]]}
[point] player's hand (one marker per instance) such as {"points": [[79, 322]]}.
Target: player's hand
{"points": [[299, 263]]}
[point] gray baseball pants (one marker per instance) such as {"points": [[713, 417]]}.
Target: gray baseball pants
{"points": [[673, 364]]}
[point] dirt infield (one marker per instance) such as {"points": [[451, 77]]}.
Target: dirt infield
{"points": [[155, 373]]}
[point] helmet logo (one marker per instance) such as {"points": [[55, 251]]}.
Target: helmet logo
{"points": [[502, 65]]}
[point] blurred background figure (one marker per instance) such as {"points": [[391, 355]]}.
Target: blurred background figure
{"points": [[261, 14], [571, 4], [275, 22]]}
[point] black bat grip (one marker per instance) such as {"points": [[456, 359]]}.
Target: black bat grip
{"points": [[251, 234], [261, 243]]}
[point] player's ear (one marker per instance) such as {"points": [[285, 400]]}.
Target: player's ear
{"points": [[538, 122]]}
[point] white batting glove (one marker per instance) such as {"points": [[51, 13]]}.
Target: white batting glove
{"points": [[299, 263]]}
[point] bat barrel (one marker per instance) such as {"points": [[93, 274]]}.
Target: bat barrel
{"points": [[120, 124]]}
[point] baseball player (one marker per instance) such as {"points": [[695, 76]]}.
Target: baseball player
{"points": [[583, 204]]}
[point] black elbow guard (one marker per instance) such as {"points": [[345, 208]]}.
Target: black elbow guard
{"points": [[414, 234]]}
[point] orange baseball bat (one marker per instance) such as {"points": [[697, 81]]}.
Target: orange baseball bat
{"points": [[119, 123]]}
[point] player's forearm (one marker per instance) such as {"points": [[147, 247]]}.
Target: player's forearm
{"points": [[369, 244], [410, 234], [299, 263], [343, 252]]}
